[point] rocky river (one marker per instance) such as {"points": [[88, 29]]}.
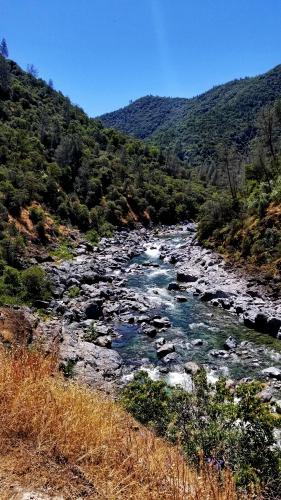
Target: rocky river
{"points": [[156, 300]]}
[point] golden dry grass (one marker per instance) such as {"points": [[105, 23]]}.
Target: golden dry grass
{"points": [[63, 439]]}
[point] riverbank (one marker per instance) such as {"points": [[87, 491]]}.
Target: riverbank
{"points": [[94, 311]]}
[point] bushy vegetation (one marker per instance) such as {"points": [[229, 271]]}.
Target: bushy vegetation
{"points": [[229, 427], [73, 442], [27, 286], [244, 216], [193, 128], [55, 160], [231, 136], [85, 174]]}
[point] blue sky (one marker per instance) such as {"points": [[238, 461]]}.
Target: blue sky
{"points": [[102, 53]]}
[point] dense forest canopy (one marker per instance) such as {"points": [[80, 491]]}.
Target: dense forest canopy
{"points": [[231, 137], [52, 153], [193, 128], [56, 160]]}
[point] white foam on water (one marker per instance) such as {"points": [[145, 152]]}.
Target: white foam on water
{"points": [[153, 373], [153, 252], [182, 379], [172, 378], [212, 377], [158, 272], [161, 296], [193, 326], [275, 356]]}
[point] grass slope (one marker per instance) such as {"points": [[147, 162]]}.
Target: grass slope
{"points": [[63, 439]]}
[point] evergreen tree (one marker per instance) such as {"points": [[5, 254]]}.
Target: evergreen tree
{"points": [[4, 76], [4, 48], [32, 70]]}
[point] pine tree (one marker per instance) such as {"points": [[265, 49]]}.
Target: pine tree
{"points": [[32, 70], [4, 48], [4, 76]]}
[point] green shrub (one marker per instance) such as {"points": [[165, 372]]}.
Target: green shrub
{"points": [[63, 251], [232, 425], [36, 284], [12, 281], [73, 292], [92, 236], [36, 214]]}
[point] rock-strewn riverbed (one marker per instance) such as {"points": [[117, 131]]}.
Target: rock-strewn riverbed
{"points": [[158, 300]]}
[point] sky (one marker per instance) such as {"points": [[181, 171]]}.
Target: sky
{"points": [[104, 53]]}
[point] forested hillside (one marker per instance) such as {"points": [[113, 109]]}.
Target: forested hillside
{"points": [[231, 136], [52, 154], [194, 128]]}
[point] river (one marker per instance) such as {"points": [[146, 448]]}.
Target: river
{"points": [[190, 321]]}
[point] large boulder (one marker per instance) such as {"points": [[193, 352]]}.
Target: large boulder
{"points": [[94, 310], [191, 367], [186, 277], [230, 343], [272, 372], [161, 322], [262, 322], [173, 286], [165, 349], [90, 363], [104, 341]]}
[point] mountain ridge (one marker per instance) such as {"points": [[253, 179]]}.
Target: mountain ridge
{"points": [[193, 127]]}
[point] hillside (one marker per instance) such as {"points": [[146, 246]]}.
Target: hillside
{"points": [[58, 166], [193, 128], [61, 440]]}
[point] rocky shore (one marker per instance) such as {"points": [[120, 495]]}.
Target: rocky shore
{"points": [[91, 296], [208, 276]]}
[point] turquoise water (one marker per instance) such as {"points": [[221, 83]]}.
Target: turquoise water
{"points": [[192, 320]]}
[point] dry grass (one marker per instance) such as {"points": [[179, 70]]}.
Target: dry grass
{"points": [[62, 439]]}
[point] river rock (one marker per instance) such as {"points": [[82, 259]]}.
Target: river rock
{"points": [[93, 310], [160, 342], [230, 343], [219, 353], [191, 367], [197, 342], [173, 286], [272, 372], [181, 298], [105, 341], [91, 363], [161, 322], [186, 277], [165, 349], [149, 330], [170, 358]]}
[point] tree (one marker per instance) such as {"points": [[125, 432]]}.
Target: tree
{"points": [[4, 76], [32, 70], [4, 48], [51, 84]]}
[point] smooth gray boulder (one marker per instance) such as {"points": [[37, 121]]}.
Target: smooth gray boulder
{"points": [[230, 343], [191, 367], [186, 277], [93, 310], [105, 341], [165, 349], [161, 322], [272, 372], [173, 286]]}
